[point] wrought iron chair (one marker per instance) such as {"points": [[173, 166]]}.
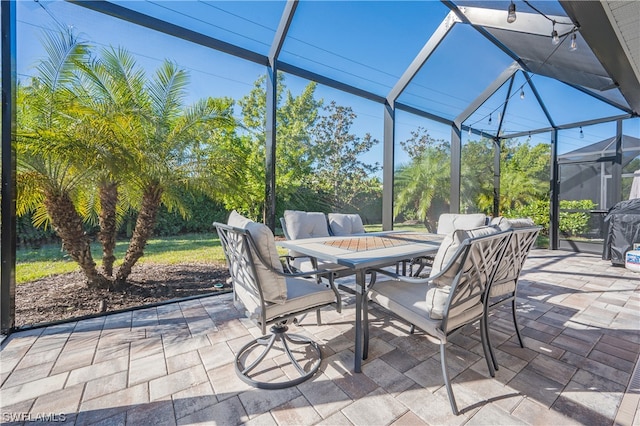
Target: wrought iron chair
{"points": [[504, 285], [272, 298], [443, 304]]}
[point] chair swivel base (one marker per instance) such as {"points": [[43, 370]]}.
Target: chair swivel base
{"points": [[313, 358]]}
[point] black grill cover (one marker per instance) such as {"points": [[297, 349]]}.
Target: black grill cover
{"points": [[621, 230]]}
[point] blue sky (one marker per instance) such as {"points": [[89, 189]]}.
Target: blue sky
{"points": [[367, 44]]}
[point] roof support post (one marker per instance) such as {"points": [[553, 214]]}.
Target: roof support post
{"points": [[616, 171], [8, 207], [554, 204], [497, 149], [388, 165], [269, 213], [456, 153]]}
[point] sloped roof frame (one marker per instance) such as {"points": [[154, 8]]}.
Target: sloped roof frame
{"points": [[533, 27], [126, 14]]}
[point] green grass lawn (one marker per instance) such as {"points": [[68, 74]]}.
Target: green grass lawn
{"points": [[32, 264]]}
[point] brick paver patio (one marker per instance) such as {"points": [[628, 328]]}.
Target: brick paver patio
{"points": [[173, 364]]}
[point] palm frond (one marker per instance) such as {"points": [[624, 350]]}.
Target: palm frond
{"points": [[167, 90], [64, 50]]}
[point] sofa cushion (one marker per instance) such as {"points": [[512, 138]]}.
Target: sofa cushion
{"points": [[274, 287], [345, 224]]}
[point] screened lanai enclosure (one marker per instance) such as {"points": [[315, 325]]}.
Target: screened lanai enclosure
{"points": [[521, 108]]}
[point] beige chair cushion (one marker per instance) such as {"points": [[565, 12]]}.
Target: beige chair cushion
{"points": [[304, 264], [274, 288], [412, 302], [449, 222], [345, 224], [305, 224], [523, 222], [409, 301], [302, 294], [451, 243], [505, 224]]}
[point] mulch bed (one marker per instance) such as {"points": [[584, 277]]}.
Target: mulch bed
{"points": [[65, 296]]}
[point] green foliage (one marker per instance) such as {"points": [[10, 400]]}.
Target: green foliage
{"points": [[524, 173], [202, 213], [574, 216], [295, 118], [422, 185], [476, 180], [537, 210], [97, 136], [28, 235], [337, 167], [317, 167]]}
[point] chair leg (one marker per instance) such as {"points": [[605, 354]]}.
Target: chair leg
{"points": [[492, 364], [279, 333], [447, 383], [515, 321], [318, 318], [365, 327], [412, 329]]}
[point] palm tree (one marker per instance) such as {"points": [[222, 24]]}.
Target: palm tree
{"points": [[49, 174], [111, 91], [422, 186], [163, 145], [98, 126]]}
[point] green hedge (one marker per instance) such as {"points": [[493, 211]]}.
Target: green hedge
{"points": [[572, 223], [203, 212]]}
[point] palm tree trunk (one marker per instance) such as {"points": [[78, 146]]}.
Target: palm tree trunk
{"points": [[108, 198], [141, 233], [68, 225]]}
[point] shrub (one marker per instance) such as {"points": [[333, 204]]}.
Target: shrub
{"points": [[574, 223], [203, 212], [29, 236], [538, 211]]}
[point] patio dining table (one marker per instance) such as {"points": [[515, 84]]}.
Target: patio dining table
{"points": [[360, 252]]}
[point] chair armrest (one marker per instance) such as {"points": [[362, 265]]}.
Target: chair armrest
{"points": [[398, 277]]}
